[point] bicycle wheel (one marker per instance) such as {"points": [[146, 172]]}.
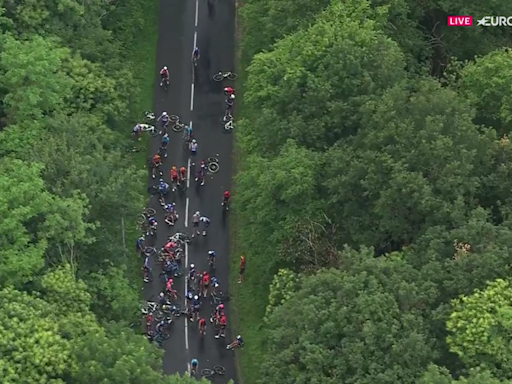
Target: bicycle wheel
{"points": [[163, 336], [229, 126], [153, 132], [218, 76], [213, 167], [207, 372], [219, 369], [178, 127], [212, 159], [150, 251], [174, 118], [150, 211], [232, 76], [142, 219]]}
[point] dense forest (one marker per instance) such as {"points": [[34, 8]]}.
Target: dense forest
{"points": [[373, 193], [68, 288]]}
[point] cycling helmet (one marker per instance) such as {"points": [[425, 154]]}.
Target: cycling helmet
{"points": [[164, 113], [174, 168], [194, 140], [196, 297], [238, 337], [211, 252], [232, 96], [162, 294], [192, 266], [170, 281], [221, 306], [197, 213], [165, 68], [190, 295]]}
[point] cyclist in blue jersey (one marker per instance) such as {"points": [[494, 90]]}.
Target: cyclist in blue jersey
{"points": [[163, 190], [195, 305], [194, 364], [211, 258], [165, 143], [170, 213], [195, 55], [238, 343], [152, 225], [140, 245]]}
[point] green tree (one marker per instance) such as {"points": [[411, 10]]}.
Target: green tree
{"points": [[311, 86], [343, 328], [418, 163], [484, 83], [480, 328], [276, 195], [283, 286], [439, 375], [31, 349]]}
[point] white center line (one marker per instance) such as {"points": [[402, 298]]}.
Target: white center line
{"points": [[188, 174], [197, 13], [192, 97]]}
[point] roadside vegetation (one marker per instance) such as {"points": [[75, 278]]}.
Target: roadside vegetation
{"points": [[373, 195], [74, 78]]}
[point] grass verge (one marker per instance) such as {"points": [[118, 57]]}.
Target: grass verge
{"points": [[251, 297]]}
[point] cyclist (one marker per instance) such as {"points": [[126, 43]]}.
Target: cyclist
{"points": [[150, 336], [156, 163], [222, 327], [215, 284], [137, 131], [168, 285], [170, 213], [140, 245], [195, 55], [146, 269], [230, 101], [193, 366], [164, 120], [163, 190], [201, 173], [238, 343], [174, 177], [164, 76], [164, 144], [188, 133], [195, 306], [242, 269], [193, 147], [225, 199], [206, 283], [183, 174], [195, 223], [211, 258], [219, 312], [159, 327], [192, 272], [228, 91], [206, 222], [202, 326], [162, 299], [149, 320], [152, 225]]}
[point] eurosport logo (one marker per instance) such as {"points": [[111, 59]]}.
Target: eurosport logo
{"points": [[486, 21]]}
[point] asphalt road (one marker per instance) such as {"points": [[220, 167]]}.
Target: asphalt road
{"points": [[200, 101]]}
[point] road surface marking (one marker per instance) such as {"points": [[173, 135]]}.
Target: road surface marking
{"points": [[197, 14], [191, 97], [188, 175], [186, 213]]}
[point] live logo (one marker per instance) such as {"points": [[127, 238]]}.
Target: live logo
{"points": [[460, 21]]}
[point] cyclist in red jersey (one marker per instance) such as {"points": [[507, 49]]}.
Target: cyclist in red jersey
{"points": [[206, 283], [202, 326], [228, 91], [183, 174], [164, 76], [175, 176], [225, 199], [168, 285], [222, 327]]}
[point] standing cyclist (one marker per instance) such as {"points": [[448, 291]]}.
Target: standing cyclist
{"points": [[164, 76], [195, 55]]}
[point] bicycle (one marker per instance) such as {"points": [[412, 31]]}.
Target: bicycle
{"points": [[145, 215], [218, 298], [148, 307], [217, 370], [212, 164], [178, 126], [161, 338], [224, 75], [150, 129], [149, 116], [229, 125], [150, 251]]}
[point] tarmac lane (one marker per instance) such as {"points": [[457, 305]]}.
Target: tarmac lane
{"points": [[199, 101]]}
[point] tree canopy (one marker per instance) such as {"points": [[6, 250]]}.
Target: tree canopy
{"points": [[373, 194]]}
